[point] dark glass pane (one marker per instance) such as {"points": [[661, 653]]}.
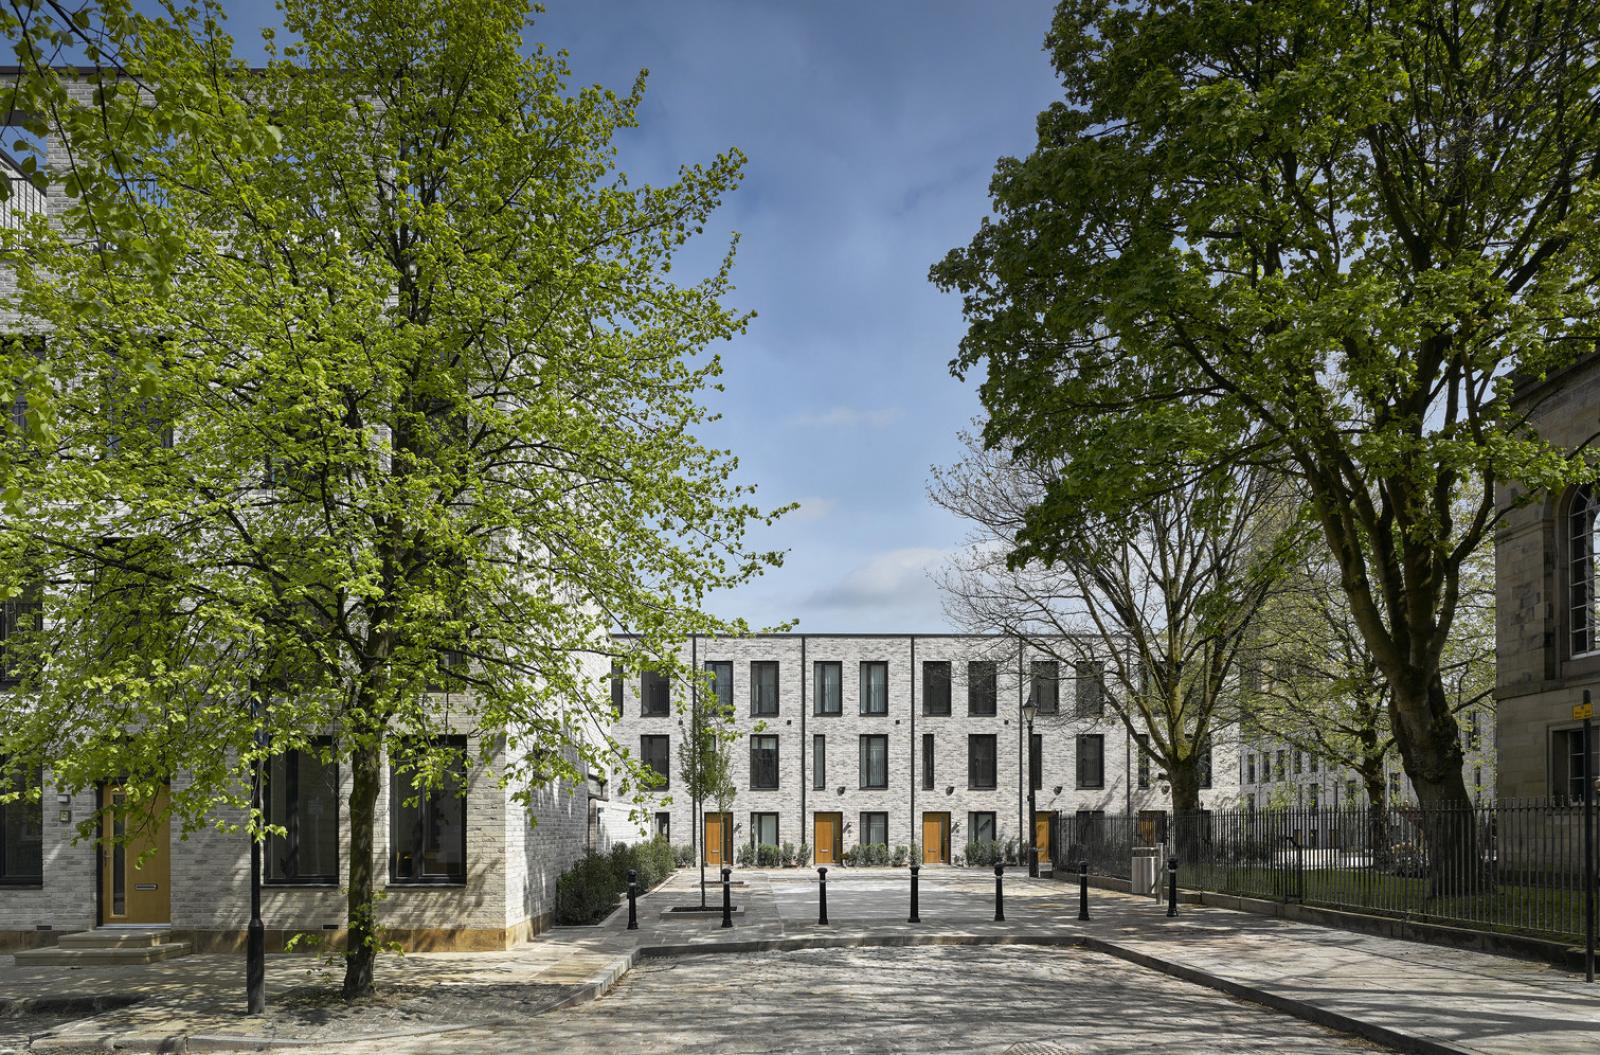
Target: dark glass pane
{"points": [[982, 687]]}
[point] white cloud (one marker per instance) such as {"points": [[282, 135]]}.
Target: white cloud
{"points": [[893, 579], [848, 417], [812, 509]]}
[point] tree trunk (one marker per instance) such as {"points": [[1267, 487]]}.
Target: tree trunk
{"points": [[1187, 838], [1377, 812], [361, 948], [1430, 746]]}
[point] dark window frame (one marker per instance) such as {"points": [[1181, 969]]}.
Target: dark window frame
{"points": [[10, 875], [937, 688], [777, 821], [974, 781], [1141, 747], [819, 762], [983, 688], [759, 670], [864, 774], [397, 795], [973, 817], [756, 741], [1089, 689], [822, 705], [721, 671], [14, 614], [881, 815], [1044, 684], [655, 694], [1090, 782], [1036, 761], [291, 823], [665, 770], [927, 762], [875, 666]]}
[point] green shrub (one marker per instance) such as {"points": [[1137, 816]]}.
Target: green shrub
{"points": [[900, 856], [984, 852], [786, 855], [851, 856], [802, 855], [744, 855], [683, 856], [767, 855], [586, 891]]}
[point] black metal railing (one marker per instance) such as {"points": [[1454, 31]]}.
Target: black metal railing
{"points": [[1510, 866]]}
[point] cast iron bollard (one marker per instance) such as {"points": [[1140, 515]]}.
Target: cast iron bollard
{"points": [[727, 898], [633, 899], [1172, 886], [914, 917], [999, 894], [822, 896], [1083, 889]]}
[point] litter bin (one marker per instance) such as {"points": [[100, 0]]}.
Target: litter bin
{"points": [[1147, 870]]}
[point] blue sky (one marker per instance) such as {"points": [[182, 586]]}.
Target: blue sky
{"points": [[871, 131]]}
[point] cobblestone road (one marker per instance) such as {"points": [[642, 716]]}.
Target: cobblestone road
{"points": [[1027, 1001]]}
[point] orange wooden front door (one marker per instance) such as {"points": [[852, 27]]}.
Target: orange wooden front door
{"points": [[935, 838], [827, 832], [135, 859], [719, 839], [1041, 840]]}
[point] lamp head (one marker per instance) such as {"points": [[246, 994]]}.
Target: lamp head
{"points": [[1029, 709]]}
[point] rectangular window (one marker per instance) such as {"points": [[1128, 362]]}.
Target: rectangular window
{"points": [[302, 795], [827, 685], [1474, 737], [22, 829], [936, 688], [1568, 766], [874, 687], [1092, 761], [428, 826], [1266, 768], [721, 685], [1089, 689], [1350, 789], [1249, 769], [663, 826], [1089, 827], [616, 689], [1036, 760], [655, 751], [763, 829], [764, 688], [763, 762], [1299, 762], [875, 761], [655, 694], [1282, 770], [927, 761], [1044, 683], [819, 761], [981, 755], [983, 687], [1142, 744], [980, 827], [874, 829], [18, 616]]}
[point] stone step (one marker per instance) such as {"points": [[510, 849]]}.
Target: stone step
{"points": [[112, 939], [100, 957]]}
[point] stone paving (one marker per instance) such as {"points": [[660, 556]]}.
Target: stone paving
{"points": [[1417, 996]]}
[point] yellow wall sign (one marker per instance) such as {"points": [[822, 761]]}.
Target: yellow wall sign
{"points": [[1581, 711]]}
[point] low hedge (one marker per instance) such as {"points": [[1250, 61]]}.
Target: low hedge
{"points": [[589, 890]]}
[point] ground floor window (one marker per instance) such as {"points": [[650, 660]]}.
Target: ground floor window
{"points": [[1089, 827], [663, 826], [1568, 764], [980, 827], [875, 829], [764, 829], [302, 797], [428, 826], [22, 828]]}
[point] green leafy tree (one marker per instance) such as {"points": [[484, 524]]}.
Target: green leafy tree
{"points": [[1348, 225], [364, 379], [704, 765]]}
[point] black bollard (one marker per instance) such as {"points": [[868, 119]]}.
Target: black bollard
{"points": [[727, 897], [999, 894], [822, 897], [633, 899], [1083, 889], [914, 917], [1172, 886]]}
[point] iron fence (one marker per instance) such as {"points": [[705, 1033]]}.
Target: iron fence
{"points": [[1510, 866]]}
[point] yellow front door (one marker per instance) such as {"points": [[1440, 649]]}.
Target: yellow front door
{"points": [[935, 838], [826, 835], [719, 839], [135, 859], [1041, 840]]}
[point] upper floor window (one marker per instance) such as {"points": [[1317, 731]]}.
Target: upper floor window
{"points": [[827, 681], [1046, 685], [18, 617], [1582, 602], [655, 694], [721, 684], [1142, 746], [936, 687], [983, 678], [875, 761], [874, 687], [1091, 761], [655, 752], [1090, 689], [764, 688], [981, 758], [764, 761]]}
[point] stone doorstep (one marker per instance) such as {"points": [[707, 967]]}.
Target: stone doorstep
{"points": [[97, 956], [112, 939]]}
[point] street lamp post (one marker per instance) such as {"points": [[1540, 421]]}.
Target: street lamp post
{"points": [[255, 968], [1029, 709]]}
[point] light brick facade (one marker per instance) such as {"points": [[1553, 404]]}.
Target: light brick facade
{"points": [[797, 801]]}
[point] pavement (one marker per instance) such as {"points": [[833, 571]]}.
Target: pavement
{"points": [[1403, 995]]}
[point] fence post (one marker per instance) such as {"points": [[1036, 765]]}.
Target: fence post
{"points": [[727, 897], [1083, 889], [822, 896], [633, 902], [914, 917], [1300, 871], [1588, 841], [1172, 886], [999, 893]]}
